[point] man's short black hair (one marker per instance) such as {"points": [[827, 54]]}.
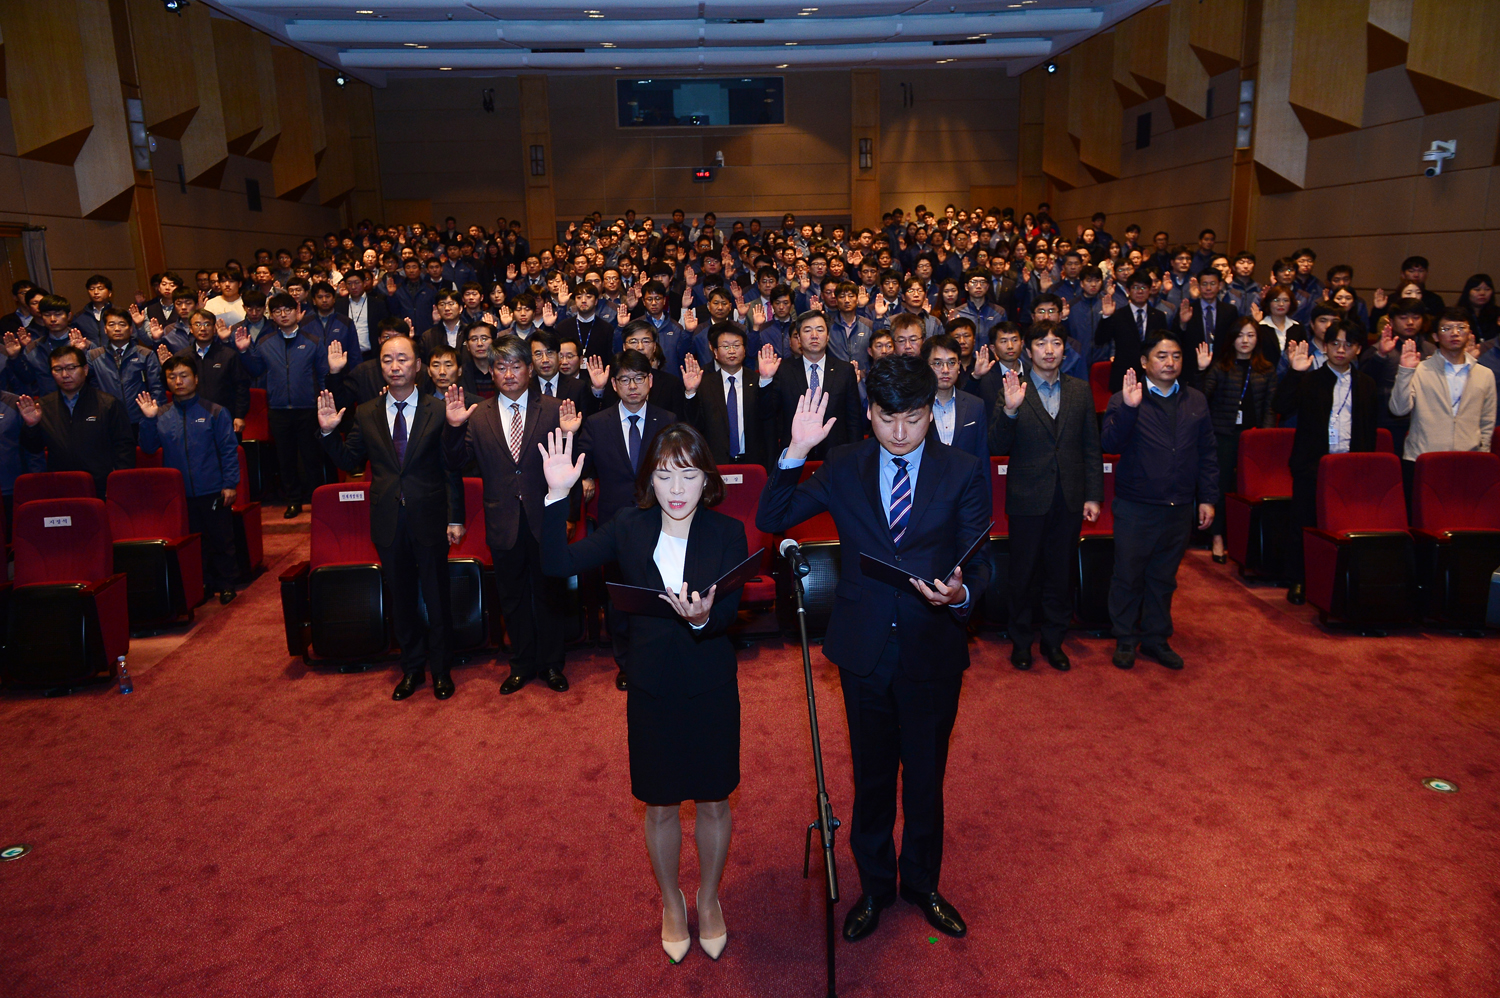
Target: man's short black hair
{"points": [[639, 326], [1414, 261], [444, 350], [1037, 330], [53, 303], [68, 350], [942, 341], [281, 301], [1156, 336], [99, 279], [633, 361], [546, 339], [720, 329], [901, 384], [188, 360]]}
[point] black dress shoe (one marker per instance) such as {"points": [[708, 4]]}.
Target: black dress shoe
{"points": [[556, 681], [513, 683], [1020, 657], [227, 597], [292, 512], [407, 686], [1058, 659], [622, 681], [1219, 559], [1124, 656], [1163, 653], [442, 687], [939, 913], [1297, 595], [864, 916]]}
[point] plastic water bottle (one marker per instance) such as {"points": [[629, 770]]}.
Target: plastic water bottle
{"points": [[125, 683]]}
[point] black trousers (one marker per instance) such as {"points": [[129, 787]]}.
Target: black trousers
{"points": [[1149, 542], [295, 433], [417, 577], [898, 725], [1304, 514], [1042, 549], [532, 604], [217, 527]]}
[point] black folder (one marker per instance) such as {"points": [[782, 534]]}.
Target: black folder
{"points": [[648, 602], [900, 578]]}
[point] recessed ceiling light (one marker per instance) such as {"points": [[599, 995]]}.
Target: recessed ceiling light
{"points": [[941, 61], [446, 69], [364, 12], [803, 13], [789, 43], [596, 17], [784, 65], [421, 46], [608, 45], [809, 10]]}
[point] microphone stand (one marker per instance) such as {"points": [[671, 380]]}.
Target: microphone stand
{"points": [[826, 823]]}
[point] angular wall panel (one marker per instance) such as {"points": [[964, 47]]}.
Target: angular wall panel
{"points": [[1128, 87], [164, 66], [293, 166], [1387, 34], [1327, 88], [1187, 80], [336, 168], [316, 126], [271, 117], [52, 122], [1148, 50], [205, 149], [1280, 141], [1094, 106], [1059, 151], [239, 83], [1217, 34], [104, 167], [1451, 56]]}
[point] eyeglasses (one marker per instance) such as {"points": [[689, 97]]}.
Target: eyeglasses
{"points": [[1453, 328], [634, 381], [66, 369], [943, 364]]}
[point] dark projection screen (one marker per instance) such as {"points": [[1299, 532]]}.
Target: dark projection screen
{"points": [[698, 103]]}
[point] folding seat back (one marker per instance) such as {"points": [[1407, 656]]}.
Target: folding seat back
{"points": [[53, 485], [1095, 559], [1360, 560], [819, 538], [470, 583], [344, 588], [1384, 442], [257, 419], [249, 546], [256, 439], [1456, 516], [162, 561], [1258, 512], [474, 544], [1099, 384], [341, 526], [743, 484], [144, 460], [67, 618]]}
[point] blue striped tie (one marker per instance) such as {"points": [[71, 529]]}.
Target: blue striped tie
{"points": [[900, 509]]}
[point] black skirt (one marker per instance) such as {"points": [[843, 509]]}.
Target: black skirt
{"points": [[683, 748]]}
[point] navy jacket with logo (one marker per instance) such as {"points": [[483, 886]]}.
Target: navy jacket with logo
{"points": [[295, 368], [197, 438]]}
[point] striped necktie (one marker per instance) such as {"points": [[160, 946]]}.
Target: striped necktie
{"points": [[900, 508], [517, 428]]}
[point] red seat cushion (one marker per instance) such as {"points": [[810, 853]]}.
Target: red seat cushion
{"points": [[1099, 384], [1360, 492], [1263, 469], [473, 544], [743, 484], [257, 421], [77, 547], [819, 529], [1456, 490], [1105, 525], [146, 503], [999, 475], [341, 526]]}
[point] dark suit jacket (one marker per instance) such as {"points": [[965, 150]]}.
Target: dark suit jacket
{"points": [[222, 379], [1310, 397], [666, 393], [580, 392], [708, 410], [842, 389], [375, 313], [1225, 316], [594, 339], [95, 437], [970, 428], [432, 494], [1045, 452], [666, 657], [607, 459], [509, 487], [1120, 329], [437, 336], [950, 507], [354, 386]]}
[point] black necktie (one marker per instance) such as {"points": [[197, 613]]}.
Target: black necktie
{"points": [[635, 443], [398, 433]]}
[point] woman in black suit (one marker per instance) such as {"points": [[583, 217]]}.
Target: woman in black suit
{"points": [[683, 707], [1239, 380]]}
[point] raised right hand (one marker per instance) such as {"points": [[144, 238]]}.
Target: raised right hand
{"points": [[808, 427], [1298, 357], [454, 406], [1131, 391], [242, 339], [561, 471], [147, 404], [329, 417], [1410, 355], [769, 361], [337, 358], [31, 413], [1015, 393]]}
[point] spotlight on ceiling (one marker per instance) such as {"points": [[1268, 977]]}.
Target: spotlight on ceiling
{"points": [[1051, 67], [175, 6], [341, 79]]}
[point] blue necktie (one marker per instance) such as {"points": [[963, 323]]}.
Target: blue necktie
{"points": [[635, 443], [812, 377], [398, 433], [900, 508], [733, 403]]}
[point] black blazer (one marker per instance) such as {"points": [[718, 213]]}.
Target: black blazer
{"points": [[354, 386], [666, 656], [1310, 397], [970, 428], [437, 336], [594, 338], [96, 437], [708, 410], [1120, 329], [666, 393], [1045, 452], [607, 461], [222, 379], [376, 312], [842, 389], [509, 487], [433, 495], [950, 506], [579, 392], [1225, 316]]}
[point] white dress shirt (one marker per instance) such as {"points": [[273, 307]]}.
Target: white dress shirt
{"points": [[1341, 418], [503, 404], [822, 365], [737, 446], [640, 423], [410, 412], [359, 318]]}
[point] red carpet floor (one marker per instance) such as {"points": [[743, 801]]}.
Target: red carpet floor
{"points": [[1255, 825]]}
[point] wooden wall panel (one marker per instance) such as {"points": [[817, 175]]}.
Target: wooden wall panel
{"points": [[366, 199], [1327, 89], [317, 127], [1148, 49], [864, 123], [1187, 80], [271, 117], [1280, 142], [1451, 56], [336, 168], [1059, 153], [52, 122], [1094, 106], [1387, 33], [164, 66], [1216, 33], [205, 148], [1126, 85], [293, 166], [104, 166], [239, 83], [536, 130]]}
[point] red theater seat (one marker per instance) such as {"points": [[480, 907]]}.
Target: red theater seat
{"points": [[67, 618], [1456, 523], [471, 576], [1099, 383], [996, 600], [743, 484], [259, 451], [820, 543], [161, 559], [53, 485], [333, 604], [144, 460], [1257, 513], [1359, 558], [249, 550], [1096, 558]]}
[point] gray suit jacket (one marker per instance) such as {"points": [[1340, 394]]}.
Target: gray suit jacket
{"points": [[1045, 451]]}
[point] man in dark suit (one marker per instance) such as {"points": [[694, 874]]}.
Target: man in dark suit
{"points": [[364, 309], [353, 381], [1204, 319], [546, 373], [1337, 409], [957, 417], [416, 507], [815, 369], [614, 439], [666, 385], [1055, 481], [502, 434], [1127, 328], [901, 651], [726, 406], [222, 380], [80, 427]]}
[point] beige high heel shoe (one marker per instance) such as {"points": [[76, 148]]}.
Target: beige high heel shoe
{"points": [[677, 948], [715, 946]]}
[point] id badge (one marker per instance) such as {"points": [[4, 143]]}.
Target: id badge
{"points": [[1239, 417], [1333, 434]]}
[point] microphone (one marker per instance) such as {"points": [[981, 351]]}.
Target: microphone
{"points": [[792, 552]]}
